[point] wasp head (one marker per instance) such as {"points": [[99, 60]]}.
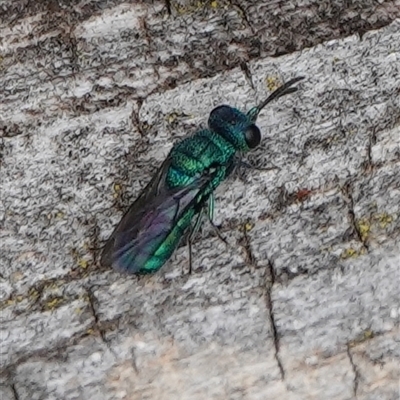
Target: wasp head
{"points": [[235, 127], [239, 129]]}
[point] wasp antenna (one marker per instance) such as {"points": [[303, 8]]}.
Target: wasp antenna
{"points": [[281, 91]]}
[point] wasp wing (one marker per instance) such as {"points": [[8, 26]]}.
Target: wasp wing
{"points": [[149, 221]]}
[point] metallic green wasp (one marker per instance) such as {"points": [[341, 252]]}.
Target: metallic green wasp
{"points": [[170, 206]]}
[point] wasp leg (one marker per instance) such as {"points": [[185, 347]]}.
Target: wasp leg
{"points": [[241, 168], [191, 235], [196, 227], [211, 216]]}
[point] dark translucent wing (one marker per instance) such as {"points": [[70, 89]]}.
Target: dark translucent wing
{"points": [[135, 212], [137, 253], [148, 222]]}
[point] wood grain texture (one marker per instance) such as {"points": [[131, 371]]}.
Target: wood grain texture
{"points": [[303, 302]]}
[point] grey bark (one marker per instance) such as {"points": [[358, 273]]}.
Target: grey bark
{"points": [[303, 302]]}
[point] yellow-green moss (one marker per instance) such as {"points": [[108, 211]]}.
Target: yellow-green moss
{"points": [[272, 83], [182, 9], [383, 219], [364, 228], [366, 335]]}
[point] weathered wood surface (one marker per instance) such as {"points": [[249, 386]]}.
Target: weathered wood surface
{"points": [[303, 303]]}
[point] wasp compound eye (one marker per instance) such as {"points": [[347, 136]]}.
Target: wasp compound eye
{"points": [[253, 136]]}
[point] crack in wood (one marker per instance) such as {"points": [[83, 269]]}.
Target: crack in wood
{"points": [[169, 7], [270, 307], [245, 68], [355, 372], [243, 13], [14, 391], [247, 247], [55, 353], [92, 300], [347, 193]]}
